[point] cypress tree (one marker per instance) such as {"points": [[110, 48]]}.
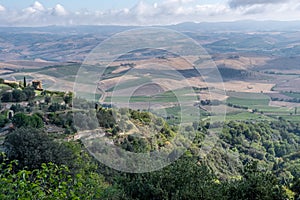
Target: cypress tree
{"points": [[24, 82]]}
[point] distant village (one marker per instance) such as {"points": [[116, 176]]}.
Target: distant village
{"points": [[36, 84], [18, 97]]}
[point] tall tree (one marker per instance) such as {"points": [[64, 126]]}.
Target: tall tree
{"points": [[24, 82]]}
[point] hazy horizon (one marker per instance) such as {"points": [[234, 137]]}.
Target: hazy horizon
{"points": [[147, 12]]}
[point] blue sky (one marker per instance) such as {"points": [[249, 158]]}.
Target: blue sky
{"points": [[142, 12], [88, 4]]}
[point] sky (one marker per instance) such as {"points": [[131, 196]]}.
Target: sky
{"points": [[87, 4], [142, 12]]}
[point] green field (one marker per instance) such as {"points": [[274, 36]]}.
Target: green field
{"points": [[250, 100], [129, 84], [294, 118], [89, 96], [61, 71], [176, 96], [248, 95], [182, 114], [260, 103], [21, 78], [248, 103], [153, 99], [245, 116], [274, 110], [292, 94], [257, 102]]}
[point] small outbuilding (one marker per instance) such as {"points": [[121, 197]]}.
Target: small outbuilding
{"points": [[37, 85]]}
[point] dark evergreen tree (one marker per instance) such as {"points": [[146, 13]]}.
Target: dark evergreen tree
{"points": [[24, 82]]}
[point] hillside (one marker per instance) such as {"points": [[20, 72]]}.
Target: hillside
{"points": [[229, 155], [90, 112]]}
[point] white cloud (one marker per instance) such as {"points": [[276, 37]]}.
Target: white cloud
{"points": [[141, 9], [178, 1], [286, 10], [34, 8], [59, 10], [38, 6], [2, 8], [162, 12], [213, 9]]}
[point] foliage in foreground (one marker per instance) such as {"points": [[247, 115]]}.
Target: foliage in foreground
{"points": [[188, 179], [49, 182], [72, 174], [184, 179]]}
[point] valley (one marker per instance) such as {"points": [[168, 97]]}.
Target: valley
{"points": [[112, 117], [268, 69]]}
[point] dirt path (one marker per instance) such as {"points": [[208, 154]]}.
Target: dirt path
{"points": [[89, 134]]}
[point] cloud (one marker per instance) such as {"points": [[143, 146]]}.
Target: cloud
{"points": [[218, 9], [178, 1], [141, 9], [170, 12], [162, 12], [2, 8], [285, 10], [242, 3], [38, 6], [59, 10], [36, 15], [34, 8]]}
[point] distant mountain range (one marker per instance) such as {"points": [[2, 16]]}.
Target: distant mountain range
{"points": [[245, 25]]}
